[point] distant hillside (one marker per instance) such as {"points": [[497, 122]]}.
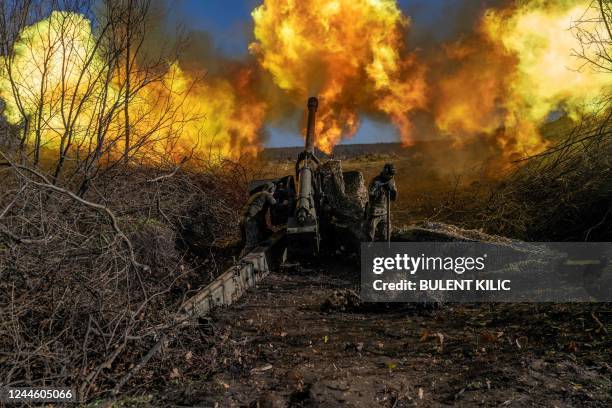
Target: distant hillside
{"points": [[553, 131], [345, 151]]}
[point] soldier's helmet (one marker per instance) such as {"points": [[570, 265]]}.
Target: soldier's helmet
{"points": [[270, 187], [389, 169]]}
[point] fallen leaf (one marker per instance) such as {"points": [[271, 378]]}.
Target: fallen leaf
{"points": [[424, 335], [259, 370], [175, 373], [488, 337], [521, 342]]}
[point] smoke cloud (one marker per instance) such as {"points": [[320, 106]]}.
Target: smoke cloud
{"points": [[486, 72]]}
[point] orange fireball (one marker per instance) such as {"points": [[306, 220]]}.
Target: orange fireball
{"points": [[350, 53], [518, 68]]}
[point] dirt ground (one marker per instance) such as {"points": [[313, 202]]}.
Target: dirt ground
{"points": [[302, 339]]}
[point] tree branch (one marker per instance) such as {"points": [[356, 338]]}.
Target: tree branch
{"points": [[46, 184]]}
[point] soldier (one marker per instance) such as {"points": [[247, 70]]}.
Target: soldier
{"points": [[381, 187], [254, 227]]}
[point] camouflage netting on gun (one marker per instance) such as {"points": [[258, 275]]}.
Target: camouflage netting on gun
{"points": [[354, 187], [345, 199], [345, 195]]}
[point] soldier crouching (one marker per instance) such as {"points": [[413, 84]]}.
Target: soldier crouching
{"points": [[381, 189], [253, 227]]}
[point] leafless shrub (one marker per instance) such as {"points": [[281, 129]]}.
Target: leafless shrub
{"points": [[594, 33], [74, 308], [93, 261]]}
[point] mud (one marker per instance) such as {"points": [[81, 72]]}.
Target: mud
{"points": [[293, 346]]}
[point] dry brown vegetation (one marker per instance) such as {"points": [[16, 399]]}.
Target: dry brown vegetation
{"points": [[100, 244], [89, 285]]}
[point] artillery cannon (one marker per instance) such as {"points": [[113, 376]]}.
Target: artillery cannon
{"points": [[318, 201], [303, 232]]}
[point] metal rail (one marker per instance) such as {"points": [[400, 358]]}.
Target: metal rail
{"points": [[234, 282]]}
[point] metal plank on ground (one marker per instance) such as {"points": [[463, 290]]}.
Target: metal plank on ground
{"points": [[231, 284]]}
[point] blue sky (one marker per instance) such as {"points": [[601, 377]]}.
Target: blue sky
{"points": [[229, 24], [229, 21]]}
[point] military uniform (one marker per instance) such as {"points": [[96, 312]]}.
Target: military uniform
{"points": [[376, 212], [253, 226]]}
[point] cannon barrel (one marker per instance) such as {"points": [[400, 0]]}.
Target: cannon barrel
{"points": [[305, 209], [313, 103], [303, 225]]}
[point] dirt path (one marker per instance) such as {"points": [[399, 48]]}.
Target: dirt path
{"points": [[287, 351]]}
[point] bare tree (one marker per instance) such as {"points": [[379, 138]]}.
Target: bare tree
{"points": [[594, 33], [129, 19], [90, 94]]}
